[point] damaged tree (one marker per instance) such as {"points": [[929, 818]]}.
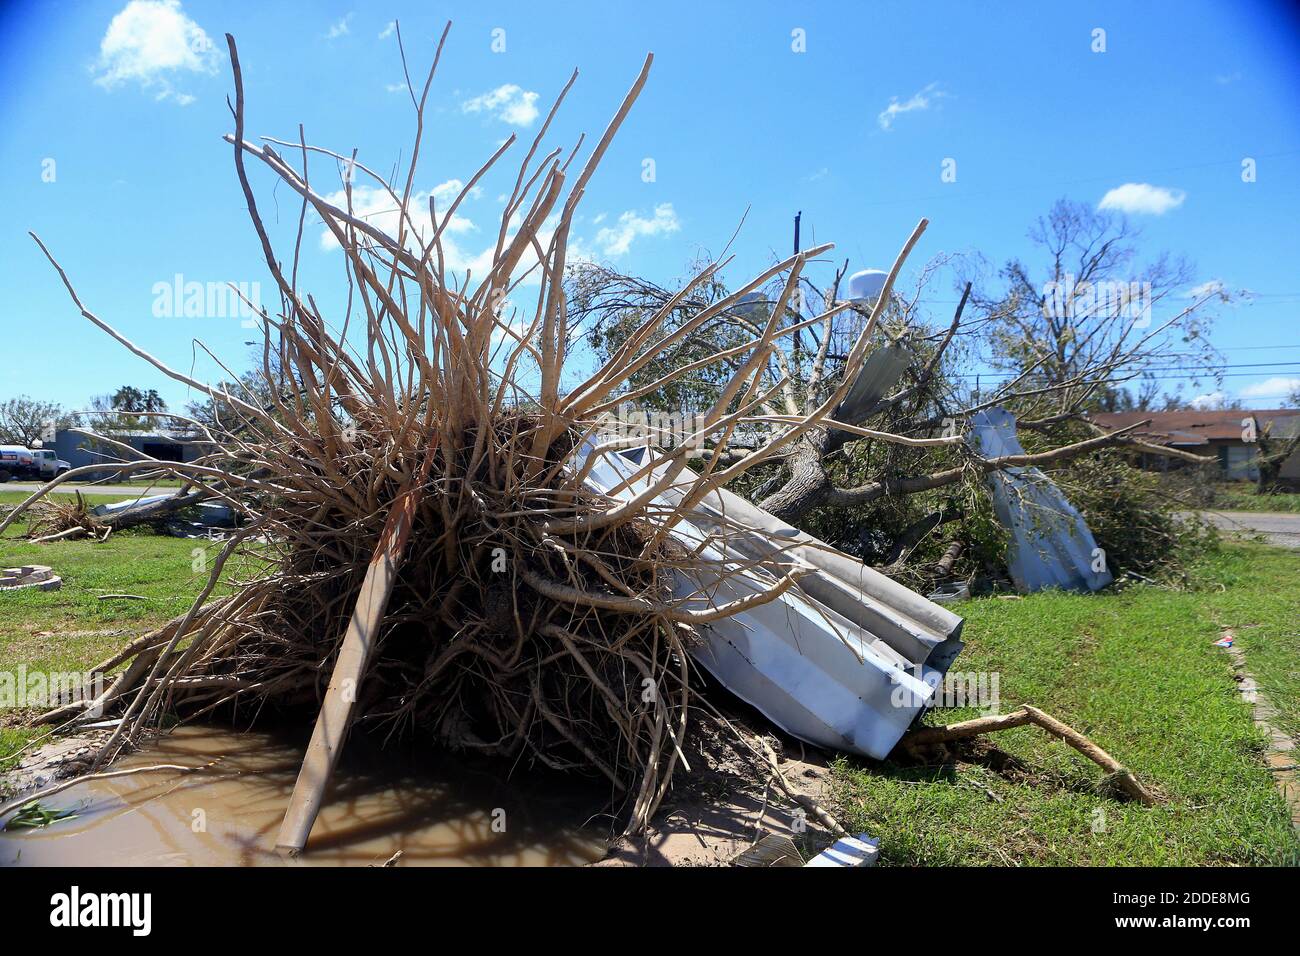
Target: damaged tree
{"points": [[1066, 347], [526, 616]]}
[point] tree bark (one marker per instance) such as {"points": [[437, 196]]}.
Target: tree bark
{"points": [[154, 510], [806, 487]]}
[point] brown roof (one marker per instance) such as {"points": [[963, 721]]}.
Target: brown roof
{"points": [[1192, 427]]}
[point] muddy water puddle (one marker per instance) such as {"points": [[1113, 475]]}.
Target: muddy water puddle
{"points": [[436, 809]]}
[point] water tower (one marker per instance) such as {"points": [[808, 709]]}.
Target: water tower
{"points": [[865, 287]]}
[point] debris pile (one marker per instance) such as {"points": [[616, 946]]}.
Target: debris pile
{"points": [[54, 520], [435, 540], [184, 513]]}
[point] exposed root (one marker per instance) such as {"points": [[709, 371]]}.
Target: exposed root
{"points": [[54, 520], [530, 616]]}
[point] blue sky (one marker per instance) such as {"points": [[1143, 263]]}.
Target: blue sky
{"points": [[112, 148]]}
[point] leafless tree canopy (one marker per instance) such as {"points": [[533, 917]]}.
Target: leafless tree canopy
{"points": [[1080, 330], [28, 422]]}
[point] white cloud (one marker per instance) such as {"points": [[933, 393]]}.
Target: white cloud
{"points": [[150, 42], [1277, 386], [378, 208], [616, 240], [1218, 288], [1225, 79], [919, 100], [1142, 198], [445, 193], [509, 103], [340, 28], [1212, 400], [460, 224], [513, 328], [389, 30]]}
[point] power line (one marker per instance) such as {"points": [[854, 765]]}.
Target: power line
{"points": [[1190, 373], [1256, 348], [1228, 365]]}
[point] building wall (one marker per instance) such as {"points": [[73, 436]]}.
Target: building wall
{"points": [[79, 451], [1237, 460]]}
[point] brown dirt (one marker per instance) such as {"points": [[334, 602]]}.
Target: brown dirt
{"points": [[727, 801]]}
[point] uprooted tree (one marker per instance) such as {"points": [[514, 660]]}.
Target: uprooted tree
{"points": [[1060, 346], [521, 613]]}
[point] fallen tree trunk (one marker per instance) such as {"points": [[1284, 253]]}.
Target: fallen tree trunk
{"points": [[154, 510], [944, 564]]}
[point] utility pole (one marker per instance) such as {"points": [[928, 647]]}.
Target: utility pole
{"points": [[798, 311]]}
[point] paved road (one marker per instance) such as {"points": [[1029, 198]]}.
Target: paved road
{"points": [[1281, 528], [30, 486]]}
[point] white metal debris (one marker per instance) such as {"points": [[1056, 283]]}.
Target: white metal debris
{"points": [[847, 659], [879, 374], [1051, 546], [860, 850]]}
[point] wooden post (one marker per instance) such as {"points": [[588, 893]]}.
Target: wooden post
{"points": [[336, 713]]}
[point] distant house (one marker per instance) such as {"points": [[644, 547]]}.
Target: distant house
{"points": [[80, 450], [1225, 435]]}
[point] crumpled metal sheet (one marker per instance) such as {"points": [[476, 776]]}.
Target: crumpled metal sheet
{"points": [[846, 659], [1051, 546], [881, 371]]}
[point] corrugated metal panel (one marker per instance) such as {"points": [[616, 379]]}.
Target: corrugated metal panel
{"points": [[1051, 546], [882, 369], [847, 659]]}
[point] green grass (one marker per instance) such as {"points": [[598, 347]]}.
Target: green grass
{"points": [[1137, 671], [55, 631], [1228, 498]]}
